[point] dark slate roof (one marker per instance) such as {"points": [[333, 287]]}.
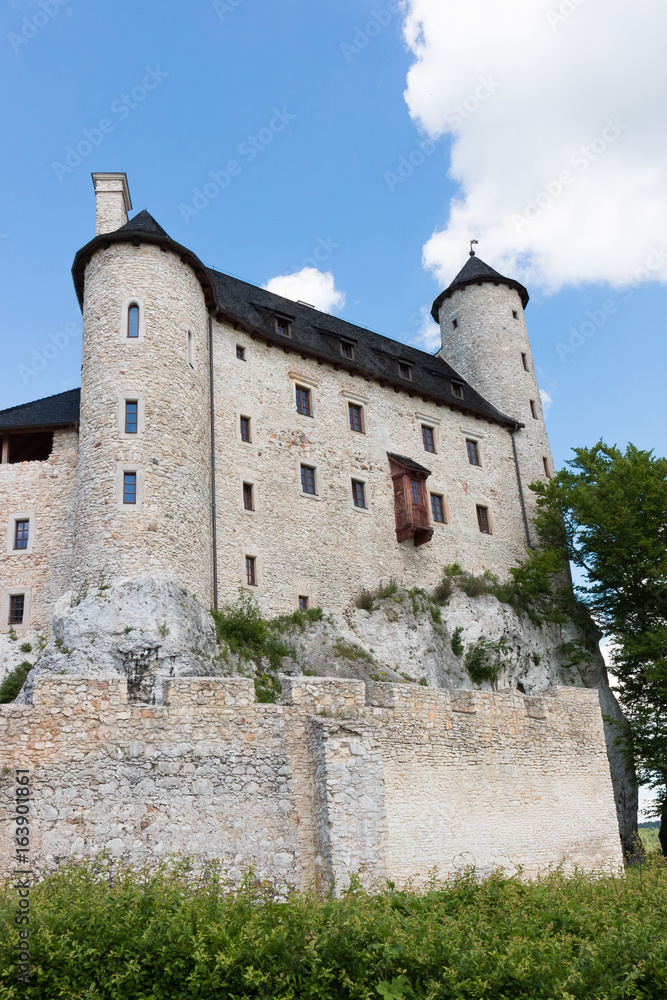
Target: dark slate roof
{"points": [[474, 272], [409, 463], [52, 411], [314, 333]]}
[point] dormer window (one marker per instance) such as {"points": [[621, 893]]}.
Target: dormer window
{"points": [[347, 350], [404, 369], [133, 320], [457, 390], [282, 325]]}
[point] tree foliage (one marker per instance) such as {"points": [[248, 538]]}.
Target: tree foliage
{"points": [[607, 513]]}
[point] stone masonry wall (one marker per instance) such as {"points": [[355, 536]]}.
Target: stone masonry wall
{"points": [[44, 491], [322, 546], [394, 780]]}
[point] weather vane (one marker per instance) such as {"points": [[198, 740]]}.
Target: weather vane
{"points": [[472, 252]]}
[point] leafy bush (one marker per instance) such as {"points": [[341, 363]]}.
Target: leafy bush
{"points": [[456, 643], [443, 590], [13, 682], [367, 598], [242, 629], [26, 647], [481, 661], [126, 934], [297, 619]]}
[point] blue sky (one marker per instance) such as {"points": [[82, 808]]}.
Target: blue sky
{"points": [[225, 72]]}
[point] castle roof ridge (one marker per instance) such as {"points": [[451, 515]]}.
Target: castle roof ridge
{"points": [[475, 271]]}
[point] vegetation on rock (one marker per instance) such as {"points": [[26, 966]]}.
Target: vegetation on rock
{"points": [[13, 682]]}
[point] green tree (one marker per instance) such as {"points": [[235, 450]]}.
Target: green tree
{"points": [[607, 513]]}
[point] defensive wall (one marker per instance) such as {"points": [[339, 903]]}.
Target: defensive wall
{"points": [[396, 780]]}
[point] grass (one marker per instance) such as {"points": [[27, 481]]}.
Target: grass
{"points": [[365, 601], [351, 651], [170, 935]]}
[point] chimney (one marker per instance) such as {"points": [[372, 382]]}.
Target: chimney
{"points": [[112, 197]]}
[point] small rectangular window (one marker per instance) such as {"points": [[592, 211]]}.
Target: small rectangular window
{"points": [[282, 326], [21, 534], [515, 314], [437, 508], [545, 463], [358, 493], [245, 429], [129, 487], [428, 438], [131, 416], [356, 418], [455, 323], [457, 390], [240, 352], [347, 349], [416, 491], [533, 409], [248, 499], [308, 479], [303, 402], [303, 602], [483, 520], [473, 452], [133, 321], [251, 571], [404, 370], [524, 361], [16, 609]]}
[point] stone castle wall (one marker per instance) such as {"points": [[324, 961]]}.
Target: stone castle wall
{"points": [[323, 546], [44, 491], [395, 779]]}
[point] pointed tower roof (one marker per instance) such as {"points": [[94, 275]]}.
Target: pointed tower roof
{"points": [[475, 272]]}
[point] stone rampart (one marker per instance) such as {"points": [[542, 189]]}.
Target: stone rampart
{"points": [[393, 780]]}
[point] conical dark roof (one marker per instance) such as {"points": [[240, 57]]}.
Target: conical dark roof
{"points": [[141, 224], [474, 272]]}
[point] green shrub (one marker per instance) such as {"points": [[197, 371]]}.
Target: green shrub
{"points": [[241, 628], [297, 619], [25, 647], [367, 598], [365, 601], [456, 643], [103, 932], [482, 660], [443, 590], [267, 689], [13, 682]]}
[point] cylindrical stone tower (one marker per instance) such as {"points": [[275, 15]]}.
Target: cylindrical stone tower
{"points": [[144, 495], [484, 337]]}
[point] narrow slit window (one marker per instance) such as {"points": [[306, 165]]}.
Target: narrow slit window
{"points": [[359, 493], [21, 534], [437, 508], [16, 609], [428, 438], [545, 463], [248, 498], [455, 323], [129, 487], [515, 313], [303, 602], [404, 370], [251, 571], [356, 418], [303, 401], [191, 349], [133, 321], [533, 409], [483, 520], [473, 452], [347, 349], [240, 352], [131, 416], [308, 484], [245, 430], [524, 361]]}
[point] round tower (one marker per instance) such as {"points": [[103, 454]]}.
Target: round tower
{"points": [[144, 493], [484, 337]]}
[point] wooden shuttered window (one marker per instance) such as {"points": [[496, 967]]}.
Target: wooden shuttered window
{"points": [[410, 501]]}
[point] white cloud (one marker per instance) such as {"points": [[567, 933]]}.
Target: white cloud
{"points": [[317, 288], [523, 87], [547, 400]]}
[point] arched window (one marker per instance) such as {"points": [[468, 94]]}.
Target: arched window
{"points": [[133, 320], [191, 349]]}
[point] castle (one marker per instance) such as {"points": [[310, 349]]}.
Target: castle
{"points": [[227, 437]]}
